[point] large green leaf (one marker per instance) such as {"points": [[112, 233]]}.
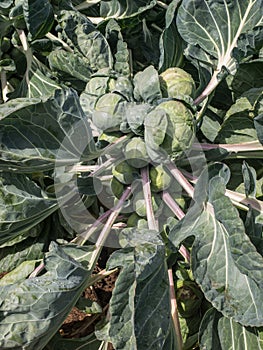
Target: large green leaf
{"points": [[224, 261], [238, 125], [33, 245], [121, 56], [140, 316], [215, 28], [217, 25], [222, 333], [32, 311], [18, 274], [249, 75], [71, 67], [147, 86], [32, 132], [22, 205], [171, 50], [4, 24], [38, 84], [125, 8], [85, 39], [38, 16]]}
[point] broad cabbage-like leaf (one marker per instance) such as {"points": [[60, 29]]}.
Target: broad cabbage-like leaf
{"points": [[219, 332], [80, 33], [39, 17], [38, 83], [71, 67], [171, 48], [215, 27], [249, 75], [225, 263], [238, 125], [32, 131], [32, 311], [29, 247], [135, 323], [22, 205], [147, 86]]}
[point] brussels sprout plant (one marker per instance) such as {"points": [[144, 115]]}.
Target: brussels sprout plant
{"points": [[131, 156]]}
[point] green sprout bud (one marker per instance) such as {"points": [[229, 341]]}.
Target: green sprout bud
{"points": [[116, 187], [176, 82], [107, 115], [135, 153], [160, 179], [137, 221], [125, 173], [180, 131]]}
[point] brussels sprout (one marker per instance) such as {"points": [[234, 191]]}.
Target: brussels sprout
{"points": [[160, 179], [125, 173], [139, 203], [97, 86], [176, 82], [135, 153], [116, 187], [107, 115], [180, 130], [108, 103], [124, 86], [189, 298], [137, 221]]}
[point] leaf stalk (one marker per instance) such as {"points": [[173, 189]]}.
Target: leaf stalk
{"points": [[174, 311], [152, 224], [28, 54], [107, 227], [4, 86]]}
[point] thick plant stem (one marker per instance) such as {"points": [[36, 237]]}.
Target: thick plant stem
{"points": [[235, 147], [116, 143], [52, 37], [209, 88], [162, 4], [4, 85], [37, 270], [100, 276], [236, 197], [107, 227], [152, 224], [84, 236], [168, 200], [28, 53], [242, 199], [180, 178], [175, 311]]}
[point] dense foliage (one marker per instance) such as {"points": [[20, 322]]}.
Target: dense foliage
{"points": [[136, 125]]}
